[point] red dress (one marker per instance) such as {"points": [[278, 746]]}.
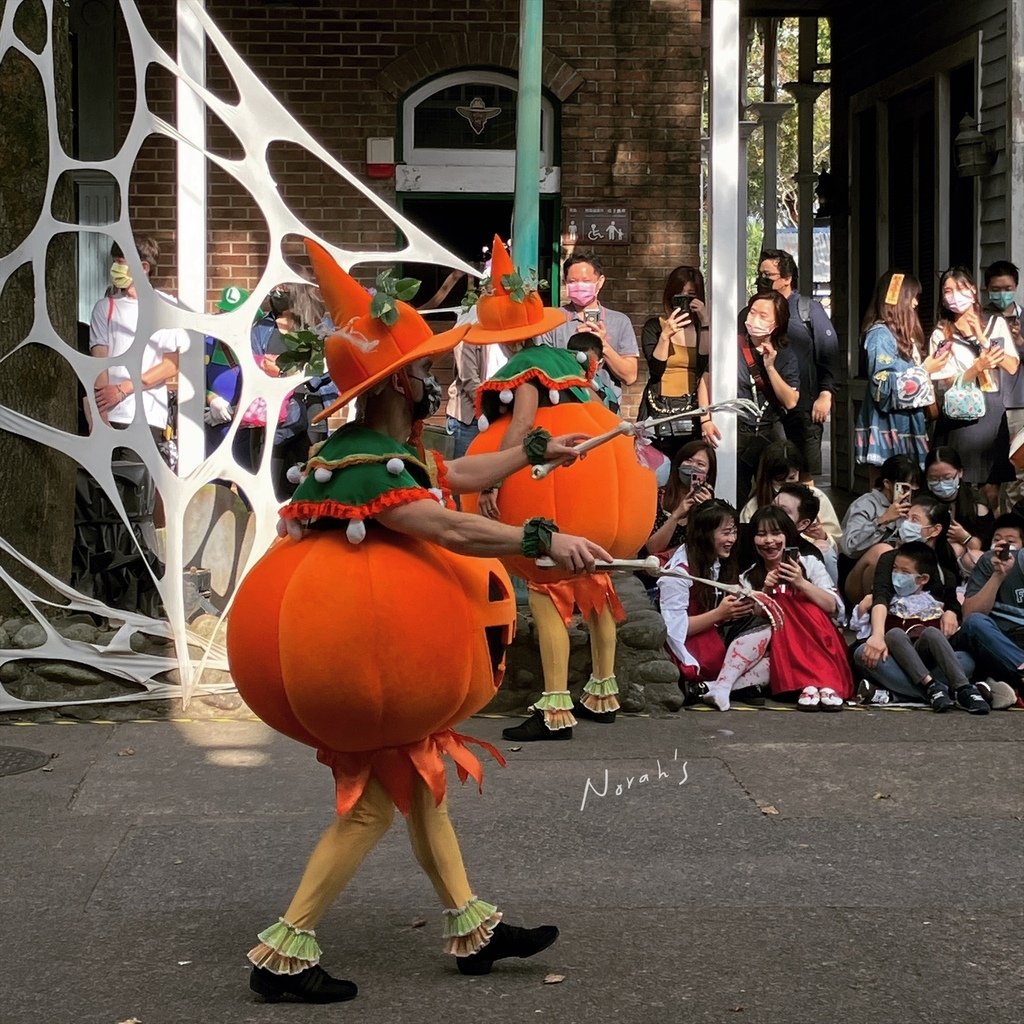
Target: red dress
{"points": [[807, 649]]}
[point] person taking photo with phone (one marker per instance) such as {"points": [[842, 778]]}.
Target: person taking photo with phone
{"points": [[692, 475], [675, 345], [584, 278]]}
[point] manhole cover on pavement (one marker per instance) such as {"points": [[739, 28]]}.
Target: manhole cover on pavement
{"points": [[14, 760]]}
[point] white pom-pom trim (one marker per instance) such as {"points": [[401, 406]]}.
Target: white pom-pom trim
{"points": [[438, 493], [555, 396], [482, 423], [356, 531], [294, 474], [505, 396], [395, 466], [294, 528], [582, 358], [322, 474]]}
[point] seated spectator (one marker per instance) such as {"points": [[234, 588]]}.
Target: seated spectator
{"points": [[808, 660], [798, 501], [872, 523], [993, 629], [970, 527], [692, 475], [926, 520], [781, 463], [910, 654], [713, 637]]}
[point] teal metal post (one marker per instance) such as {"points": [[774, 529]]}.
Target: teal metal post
{"points": [[526, 211]]}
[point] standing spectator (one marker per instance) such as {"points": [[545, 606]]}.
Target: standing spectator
{"points": [[993, 629], [872, 523], [473, 365], [1002, 279], [808, 660], [813, 339], [767, 373], [675, 345], [980, 350], [112, 331], [892, 416], [970, 527], [714, 638], [584, 279]]}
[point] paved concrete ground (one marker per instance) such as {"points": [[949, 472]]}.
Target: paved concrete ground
{"points": [[780, 867]]}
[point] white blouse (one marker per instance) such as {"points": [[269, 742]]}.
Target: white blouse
{"points": [[675, 605]]}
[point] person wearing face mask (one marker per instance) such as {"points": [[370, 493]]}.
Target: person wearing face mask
{"points": [[919, 663], [813, 339], [692, 475], [927, 521], [768, 374], [584, 280], [112, 331], [981, 351], [872, 523], [675, 344], [970, 528], [782, 463], [891, 420]]}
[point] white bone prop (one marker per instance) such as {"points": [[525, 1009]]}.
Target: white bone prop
{"points": [[642, 428]]}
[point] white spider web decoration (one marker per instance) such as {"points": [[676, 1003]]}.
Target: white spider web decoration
{"points": [[257, 120]]}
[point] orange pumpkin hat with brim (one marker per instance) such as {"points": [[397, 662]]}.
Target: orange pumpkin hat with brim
{"points": [[364, 349], [505, 314]]}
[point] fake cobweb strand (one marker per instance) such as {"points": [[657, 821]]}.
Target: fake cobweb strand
{"points": [[256, 120]]}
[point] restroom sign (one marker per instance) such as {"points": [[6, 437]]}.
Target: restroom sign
{"points": [[588, 226]]}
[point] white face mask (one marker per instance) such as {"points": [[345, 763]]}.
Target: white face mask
{"points": [[958, 302]]}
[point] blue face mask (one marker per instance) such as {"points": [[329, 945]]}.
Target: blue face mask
{"points": [[1001, 300], [909, 531], [944, 489], [904, 583]]}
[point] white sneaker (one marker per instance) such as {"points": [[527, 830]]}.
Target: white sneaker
{"points": [[999, 694]]}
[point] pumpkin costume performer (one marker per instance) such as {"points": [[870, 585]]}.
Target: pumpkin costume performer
{"points": [[609, 495], [332, 665]]}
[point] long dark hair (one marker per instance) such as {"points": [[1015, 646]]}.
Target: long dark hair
{"points": [[682, 275], [674, 491], [777, 461], [938, 515], [773, 516], [700, 552], [965, 504], [781, 305], [900, 316], [946, 318]]}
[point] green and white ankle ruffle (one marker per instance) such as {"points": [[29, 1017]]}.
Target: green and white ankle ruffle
{"points": [[285, 949], [467, 929], [556, 706], [600, 695]]}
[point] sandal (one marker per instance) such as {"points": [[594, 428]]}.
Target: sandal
{"points": [[830, 700], [809, 699]]}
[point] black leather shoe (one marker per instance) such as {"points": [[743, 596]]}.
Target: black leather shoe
{"points": [[313, 985], [749, 695], [508, 940], [604, 717], [535, 729]]}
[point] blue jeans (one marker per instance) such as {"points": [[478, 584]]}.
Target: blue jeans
{"points": [[994, 651], [890, 676], [463, 434]]}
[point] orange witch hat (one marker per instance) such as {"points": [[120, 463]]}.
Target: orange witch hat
{"points": [[364, 349], [502, 316]]}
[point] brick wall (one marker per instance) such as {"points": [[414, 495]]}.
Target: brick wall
{"points": [[629, 75]]}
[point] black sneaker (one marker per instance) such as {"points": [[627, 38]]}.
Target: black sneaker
{"points": [[313, 985], [749, 695], [693, 691], [969, 698], [535, 729], [939, 698], [580, 710]]}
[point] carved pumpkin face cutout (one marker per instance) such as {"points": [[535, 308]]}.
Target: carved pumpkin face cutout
{"points": [[607, 497], [360, 647]]}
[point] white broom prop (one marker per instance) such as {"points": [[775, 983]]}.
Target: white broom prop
{"points": [[642, 429]]}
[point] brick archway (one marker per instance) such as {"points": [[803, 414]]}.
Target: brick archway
{"points": [[450, 51]]}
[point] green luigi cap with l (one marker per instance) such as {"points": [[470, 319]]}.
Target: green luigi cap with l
{"points": [[231, 298]]}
